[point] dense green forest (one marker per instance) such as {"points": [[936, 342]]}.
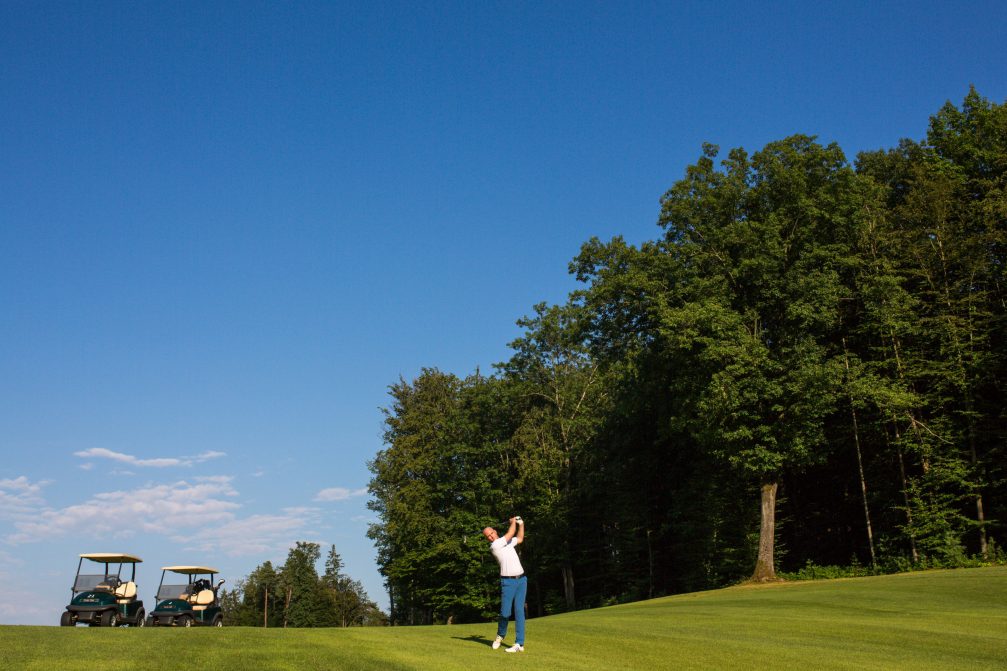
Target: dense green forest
{"points": [[806, 365], [294, 595]]}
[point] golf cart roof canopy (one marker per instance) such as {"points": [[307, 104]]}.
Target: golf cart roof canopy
{"points": [[189, 570], [112, 558]]}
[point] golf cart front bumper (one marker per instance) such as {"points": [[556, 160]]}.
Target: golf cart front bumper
{"points": [[87, 614], [175, 618], [169, 618], [127, 612]]}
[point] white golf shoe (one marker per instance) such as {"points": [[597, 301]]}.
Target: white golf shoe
{"points": [[497, 641], [517, 647]]}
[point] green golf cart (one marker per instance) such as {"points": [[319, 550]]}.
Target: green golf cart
{"points": [[187, 602], [106, 598]]}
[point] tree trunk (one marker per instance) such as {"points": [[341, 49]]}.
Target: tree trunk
{"points": [[905, 492], [265, 610], [860, 460], [980, 514], [571, 602], [863, 489], [981, 517], [650, 568], [902, 464], [764, 567]]}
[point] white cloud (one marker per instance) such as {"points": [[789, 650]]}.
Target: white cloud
{"points": [[102, 453], [21, 484], [200, 514], [20, 497], [254, 535], [161, 462], [218, 479], [163, 509], [303, 511], [339, 494]]}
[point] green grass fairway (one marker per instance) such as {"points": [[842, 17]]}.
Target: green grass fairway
{"points": [[934, 620]]}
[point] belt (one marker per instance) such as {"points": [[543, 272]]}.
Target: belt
{"points": [[513, 577]]}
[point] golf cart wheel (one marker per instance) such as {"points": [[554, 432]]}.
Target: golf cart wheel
{"points": [[184, 621], [151, 621], [140, 619], [66, 620], [108, 619], [218, 621]]}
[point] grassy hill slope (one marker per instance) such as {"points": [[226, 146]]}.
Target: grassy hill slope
{"points": [[933, 620]]}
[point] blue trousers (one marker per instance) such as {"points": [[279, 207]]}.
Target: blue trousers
{"points": [[512, 595]]}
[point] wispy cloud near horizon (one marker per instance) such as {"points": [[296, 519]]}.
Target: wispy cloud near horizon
{"points": [[160, 462], [20, 497], [162, 509], [253, 535], [201, 513], [339, 494]]}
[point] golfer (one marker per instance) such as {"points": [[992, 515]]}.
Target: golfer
{"points": [[513, 583]]}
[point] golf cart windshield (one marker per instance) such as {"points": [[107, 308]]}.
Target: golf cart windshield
{"points": [[87, 583], [173, 591]]}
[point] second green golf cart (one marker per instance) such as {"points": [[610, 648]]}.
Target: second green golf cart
{"points": [[187, 597]]}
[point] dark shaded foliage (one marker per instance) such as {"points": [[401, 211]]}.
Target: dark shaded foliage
{"points": [[835, 331]]}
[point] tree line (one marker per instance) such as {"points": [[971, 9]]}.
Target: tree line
{"points": [[805, 366], [294, 595]]}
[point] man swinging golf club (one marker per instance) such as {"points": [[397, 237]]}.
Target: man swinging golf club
{"points": [[513, 583]]}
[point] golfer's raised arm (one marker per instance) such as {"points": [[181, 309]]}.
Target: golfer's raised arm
{"points": [[510, 531], [520, 530]]}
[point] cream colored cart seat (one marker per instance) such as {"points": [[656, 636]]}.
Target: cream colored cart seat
{"points": [[125, 592], [201, 600]]}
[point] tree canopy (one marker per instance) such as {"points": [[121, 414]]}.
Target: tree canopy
{"points": [[806, 365], [294, 595]]}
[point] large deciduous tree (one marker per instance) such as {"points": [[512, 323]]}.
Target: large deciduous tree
{"points": [[799, 327], [749, 298], [438, 481], [564, 398], [766, 243]]}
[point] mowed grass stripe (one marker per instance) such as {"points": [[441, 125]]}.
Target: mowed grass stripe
{"points": [[946, 620]]}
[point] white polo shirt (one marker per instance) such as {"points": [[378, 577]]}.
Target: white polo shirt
{"points": [[510, 563]]}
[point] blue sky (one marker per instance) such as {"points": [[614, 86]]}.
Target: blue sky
{"points": [[226, 228]]}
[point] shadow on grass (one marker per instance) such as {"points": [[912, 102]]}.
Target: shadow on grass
{"points": [[475, 639]]}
